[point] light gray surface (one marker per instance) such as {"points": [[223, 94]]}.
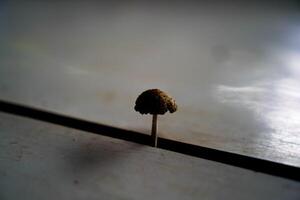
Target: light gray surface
{"points": [[233, 69], [39, 160]]}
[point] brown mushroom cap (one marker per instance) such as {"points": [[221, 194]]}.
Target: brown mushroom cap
{"points": [[155, 101]]}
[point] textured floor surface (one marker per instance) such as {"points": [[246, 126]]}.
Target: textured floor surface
{"points": [[39, 160], [233, 68]]}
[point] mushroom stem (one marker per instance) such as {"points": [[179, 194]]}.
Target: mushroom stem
{"points": [[153, 131]]}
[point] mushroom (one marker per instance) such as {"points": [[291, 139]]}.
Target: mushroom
{"points": [[155, 102]]}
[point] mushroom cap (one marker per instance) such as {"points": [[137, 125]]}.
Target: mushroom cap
{"points": [[155, 101]]}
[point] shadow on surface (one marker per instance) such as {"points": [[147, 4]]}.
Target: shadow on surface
{"points": [[95, 154]]}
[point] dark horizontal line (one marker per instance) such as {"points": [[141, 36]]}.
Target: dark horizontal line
{"points": [[251, 163], [71, 122], [256, 164]]}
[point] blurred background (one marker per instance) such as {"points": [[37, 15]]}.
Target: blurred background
{"points": [[233, 68]]}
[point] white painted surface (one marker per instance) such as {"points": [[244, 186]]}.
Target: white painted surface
{"points": [[39, 160], [233, 69]]}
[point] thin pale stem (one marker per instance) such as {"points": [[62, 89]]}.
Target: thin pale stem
{"points": [[153, 131]]}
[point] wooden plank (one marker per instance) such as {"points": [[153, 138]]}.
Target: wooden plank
{"points": [[252, 163], [39, 160], [235, 75]]}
